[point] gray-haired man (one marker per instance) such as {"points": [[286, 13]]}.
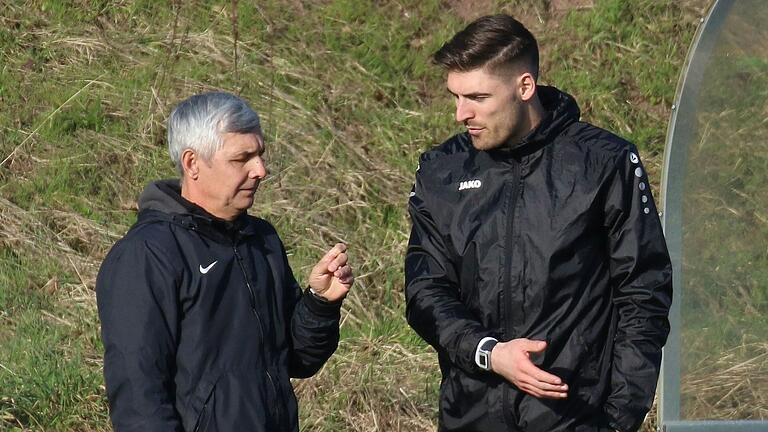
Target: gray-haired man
{"points": [[202, 320]]}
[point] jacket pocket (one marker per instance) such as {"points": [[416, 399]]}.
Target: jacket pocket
{"points": [[206, 413], [275, 396], [589, 383], [286, 399], [200, 406]]}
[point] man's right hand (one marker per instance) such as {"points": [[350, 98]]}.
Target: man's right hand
{"points": [[512, 361], [332, 277]]}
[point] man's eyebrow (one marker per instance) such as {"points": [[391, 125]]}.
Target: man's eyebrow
{"points": [[469, 95], [244, 153]]}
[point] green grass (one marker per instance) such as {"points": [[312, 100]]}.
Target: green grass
{"points": [[47, 360], [348, 100], [621, 62]]}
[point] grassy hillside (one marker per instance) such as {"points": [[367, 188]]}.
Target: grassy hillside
{"points": [[348, 100]]}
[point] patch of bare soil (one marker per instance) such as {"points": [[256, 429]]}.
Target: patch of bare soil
{"points": [[470, 10]]}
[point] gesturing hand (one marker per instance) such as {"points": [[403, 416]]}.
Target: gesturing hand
{"points": [[331, 278], [512, 361]]}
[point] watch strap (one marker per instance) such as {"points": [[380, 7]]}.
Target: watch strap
{"points": [[483, 352]]}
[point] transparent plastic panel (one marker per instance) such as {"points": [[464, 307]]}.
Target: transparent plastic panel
{"points": [[724, 253]]}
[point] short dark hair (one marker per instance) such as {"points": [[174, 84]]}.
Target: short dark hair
{"points": [[495, 41]]}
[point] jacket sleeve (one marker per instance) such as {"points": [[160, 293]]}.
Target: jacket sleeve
{"points": [[433, 307], [641, 278], [314, 328], [137, 301]]}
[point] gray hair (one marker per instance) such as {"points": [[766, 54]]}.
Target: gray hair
{"points": [[200, 121]]}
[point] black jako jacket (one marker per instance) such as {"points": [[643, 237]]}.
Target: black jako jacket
{"points": [[557, 239], [203, 322]]}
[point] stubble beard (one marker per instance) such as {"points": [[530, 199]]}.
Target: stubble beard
{"points": [[485, 143]]}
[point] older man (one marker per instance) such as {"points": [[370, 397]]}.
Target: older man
{"points": [[202, 320]]}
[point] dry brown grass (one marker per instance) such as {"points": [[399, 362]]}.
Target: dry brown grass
{"points": [[25, 231], [729, 385]]}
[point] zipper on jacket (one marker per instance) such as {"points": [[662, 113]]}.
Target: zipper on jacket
{"points": [[250, 291], [255, 311], [508, 286], [509, 320]]}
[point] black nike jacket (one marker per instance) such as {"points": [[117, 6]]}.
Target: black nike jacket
{"points": [[204, 324], [556, 238]]}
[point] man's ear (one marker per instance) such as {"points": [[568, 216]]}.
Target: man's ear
{"points": [[189, 164], [527, 86]]}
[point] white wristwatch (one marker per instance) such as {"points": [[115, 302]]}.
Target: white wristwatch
{"points": [[483, 352]]}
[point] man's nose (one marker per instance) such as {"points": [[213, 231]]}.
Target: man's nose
{"points": [[463, 111], [258, 170]]}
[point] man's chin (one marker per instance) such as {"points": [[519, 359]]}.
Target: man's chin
{"points": [[483, 145], [243, 204]]}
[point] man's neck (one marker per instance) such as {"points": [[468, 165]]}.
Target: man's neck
{"points": [[536, 113], [188, 192], [532, 117]]}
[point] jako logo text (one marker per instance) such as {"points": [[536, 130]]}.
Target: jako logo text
{"points": [[470, 184]]}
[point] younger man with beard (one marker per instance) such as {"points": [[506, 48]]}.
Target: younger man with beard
{"points": [[536, 267]]}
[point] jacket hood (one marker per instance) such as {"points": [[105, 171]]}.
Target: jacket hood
{"points": [[162, 200], [561, 111], [164, 196]]}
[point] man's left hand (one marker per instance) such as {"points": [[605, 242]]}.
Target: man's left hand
{"points": [[332, 277]]}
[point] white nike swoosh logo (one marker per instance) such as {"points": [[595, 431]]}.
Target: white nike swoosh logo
{"points": [[205, 270]]}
